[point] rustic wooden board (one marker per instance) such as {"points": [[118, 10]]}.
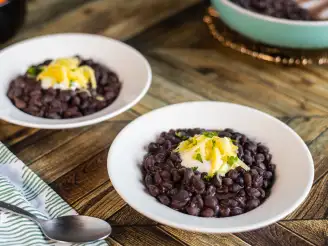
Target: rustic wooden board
{"points": [[188, 65]]}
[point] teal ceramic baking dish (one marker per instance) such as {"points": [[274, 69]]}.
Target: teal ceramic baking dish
{"points": [[273, 31]]}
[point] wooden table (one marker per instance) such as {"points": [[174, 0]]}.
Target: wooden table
{"points": [[188, 65]]}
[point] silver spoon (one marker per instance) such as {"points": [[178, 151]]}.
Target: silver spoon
{"points": [[68, 229]]}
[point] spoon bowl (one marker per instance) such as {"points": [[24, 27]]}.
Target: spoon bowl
{"points": [[75, 229], [66, 229]]}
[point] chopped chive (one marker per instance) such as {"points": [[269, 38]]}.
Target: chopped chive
{"points": [[194, 168], [232, 159], [210, 134]]}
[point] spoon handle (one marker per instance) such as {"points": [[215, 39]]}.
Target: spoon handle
{"points": [[16, 210]]}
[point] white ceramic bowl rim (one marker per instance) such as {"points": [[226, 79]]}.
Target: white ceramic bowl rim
{"points": [[273, 19], [85, 120], [162, 219]]}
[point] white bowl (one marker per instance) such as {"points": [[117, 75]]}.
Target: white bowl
{"points": [[294, 173], [131, 67]]}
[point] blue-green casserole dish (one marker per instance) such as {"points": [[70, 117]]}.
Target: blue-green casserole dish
{"points": [[273, 31]]}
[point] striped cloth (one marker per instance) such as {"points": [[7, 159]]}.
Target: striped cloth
{"points": [[23, 188]]}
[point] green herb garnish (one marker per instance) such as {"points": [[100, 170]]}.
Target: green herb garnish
{"points": [[207, 177], [194, 168], [199, 157], [232, 159], [179, 134], [210, 134], [34, 71]]}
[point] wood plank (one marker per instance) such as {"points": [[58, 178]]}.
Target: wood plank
{"points": [[143, 236], [171, 93], [112, 242], [199, 239], [11, 134], [101, 202], [147, 104], [99, 15], [304, 127], [248, 81], [88, 144], [40, 11], [315, 231], [200, 84], [273, 235], [127, 216], [81, 180], [316, 203], [36, 146], [135, 24], [319, 150]]}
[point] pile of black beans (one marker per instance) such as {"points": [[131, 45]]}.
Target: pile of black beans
{"points": [[191, 192], [27, 95], [283, 9]]}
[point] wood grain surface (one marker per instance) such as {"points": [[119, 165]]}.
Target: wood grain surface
{"points": [[188, 65]]}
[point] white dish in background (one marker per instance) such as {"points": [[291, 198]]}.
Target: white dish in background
{"points": [[294, 173], [131, 67]]}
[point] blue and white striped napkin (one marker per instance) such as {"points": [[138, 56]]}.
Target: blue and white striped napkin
{"points": [[23, 188]]}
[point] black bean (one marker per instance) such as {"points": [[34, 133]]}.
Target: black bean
{"points": [[253, 192], [153, 190], [268, 175], [259, 158], [227, 181], [149, 162], [248, 159], [223, 189], [254, 172], [236, 211], [250, 146], [217, 181], [161, 140], [180, 199], [193, 210], [188, 173], [166, 175], [262, 149], [253, 203], [240, 181], [207, 212], [268, 158], [224, 212], [197, 201], [225, 196], [167, 145], [233, 174], [157, 178], [241, 201], [148, 180], [175, 157], [198, 185], [175, 175], [167, 185], [164, 199], [210, 191], [210, 201], [235, 188], [262, 192], [258, 181], [225, 134], [160, 157], [20, 103], [272, 167], [248, 179], [153, 147]]}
